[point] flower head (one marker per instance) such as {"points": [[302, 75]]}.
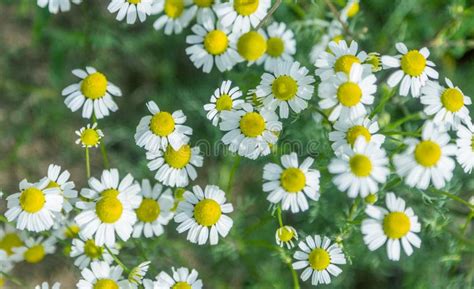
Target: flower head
{"points": [[89, 136]]}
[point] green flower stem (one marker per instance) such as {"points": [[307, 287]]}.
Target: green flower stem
{"points": [[269, 14], [454, 198], [280, 220], [233, 170], [380, 106], [117, 260], [294, 275], [88, 165], [413, 116], [402, 133], [104, 154], [3, 219], [13, 279]]}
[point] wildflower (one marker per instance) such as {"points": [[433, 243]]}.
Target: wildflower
{"points": [[242, 15], [101, 275], [137, 273], [86, 251], [131, 9], [285, 236], [34, 250], [175, 15], [346, 131], [251, 46], [465, 144], [61, 180], [281, 46], [55, 6], [89, 136], [180, 279], [225, 98]]}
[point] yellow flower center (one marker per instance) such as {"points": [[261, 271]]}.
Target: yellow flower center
{"points": [[396, 225], [32, 200], [356, 131], [251, 45], [285, 234], [361, 165], [275, 46], [162, 123], [71, 231], [10, 241], [344, 63], [178, 159], [224, 102], [90, 137], [207, 212], [110, 193], [52, 184], [349, 94], [293, 180], [35, 254], [109, 209], [203, 3], [252, 124], [284, 87], [181, 285], [178, 197], [413, 63], [353, 10], [134, 1], [148, 211], [94, 85], [319, 259], [216, 42], [427, 153], [452, 99], [245, 7], [174, 8], [105, 284], [92, 250]]}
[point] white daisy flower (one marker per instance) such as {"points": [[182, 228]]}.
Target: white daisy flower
{"points": [[154, 211], [34, 250], [319, 258], [292, 183], [45, 285], [109, 208], [209, 45], [102, 276], [360, 169], [334, 33], [251, 46], [89, 136], [86, 251], [447, 105], [242, 15], [67, 229], [10, 238], [285, 236], [175, 15], [35, 207], [202, 215], [339, 58], [131, 9], [203, 11], [180, 279], [250, 132], [347, 95], [61, 180], [346, 131], [135, 277], [398, 225], [156, 131], [281, 46], [55, 6], [427, 160], [93, 93], [288, 85], [465, 144], [225, 98], [175, 167], [415, 69]]}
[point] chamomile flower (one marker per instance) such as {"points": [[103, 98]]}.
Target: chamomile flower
{"points": [[85, 251], [346, 131], [154, 211], [465, 144], [34, 250], [446, 104], [89, 136], [414, 69], [10, 238], [175, 15], [175, 167], [58, 179], [288, 85], [35, 207], [156, 131], [281, 46], [319, 258], [360, 169], [67, 229], [131, 9], [251, 46], [394, 225], [203, 11], [225, 98], [202, 215], [334, 32], [180, 279], [347, 95], [55, 6], [101, 275], [285, 236], [210, 45], [135, 277], [350, 10], [339, 58], [242, 15], [250, 132], [109, 208], [427, 160], [292, 183], [45, 285]]}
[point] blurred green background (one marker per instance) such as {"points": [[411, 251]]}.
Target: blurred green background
{"points": [[39, 50]]}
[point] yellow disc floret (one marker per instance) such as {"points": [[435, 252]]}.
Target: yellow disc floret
{"points": [[361, 165], [275, 46], [109, 209], [216, 42], [105, 284], [34, 254], [174, 8], [32, 200], [349, 94], [252, 124], [284, 87], [110, 193], [413, 63], [427, 153], [251, 45], [178, 159], [162, 123], [344, 63], [396, 225], [181, 285], [92, 250], [148, 211], [134, 1], [285, 234], [245, 7], [90, 137], [319, 259], [356, 131], [207, 212], [71, 231], [10, 241], [292, 180], [224, 102], [452, 99], [94, 86], [203, 3]]}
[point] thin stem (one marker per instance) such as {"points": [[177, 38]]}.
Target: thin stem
{"points": [[454, 198], [337, 15], [413, 116], [294, 275], [88, 165], [280, 220], [116, 259], [403, 133], [385, 98], [3, 219], [13, 279], [269, 14], [104, 155], [233, 170]]}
